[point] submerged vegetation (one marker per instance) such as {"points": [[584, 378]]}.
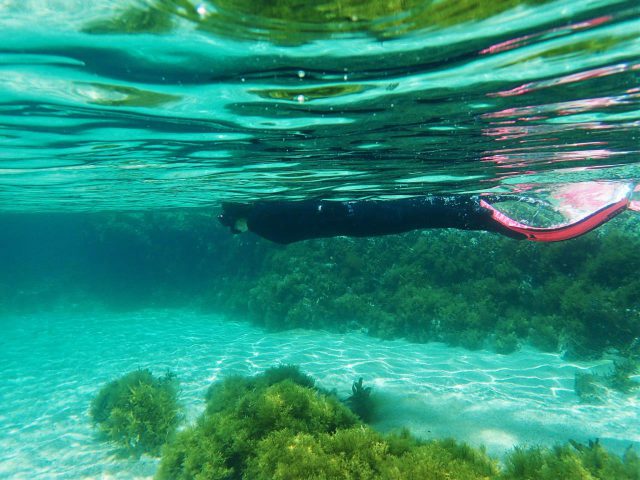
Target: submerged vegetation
{"points": [[593, 387], [138, 412], [477, 290], [279, 426], [361, 402], [574, 461], [256, 429], [470, 289]]}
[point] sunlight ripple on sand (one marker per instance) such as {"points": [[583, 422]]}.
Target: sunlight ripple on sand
{"points": [[53, 365]]}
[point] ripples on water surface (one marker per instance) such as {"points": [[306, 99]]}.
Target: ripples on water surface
{"points": [[172, 103]]}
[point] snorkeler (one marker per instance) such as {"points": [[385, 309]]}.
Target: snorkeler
{"points": [[292, 221]]}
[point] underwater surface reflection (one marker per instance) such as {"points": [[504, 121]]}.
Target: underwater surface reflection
{"points": [[176, 104]]}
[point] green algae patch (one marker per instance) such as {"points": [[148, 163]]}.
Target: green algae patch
{"points": [[573, 461], [361, 453], [256, 429], [593, 387], [469, 289], [279, 425], [221, 443], [138, 412], [361, 402]]}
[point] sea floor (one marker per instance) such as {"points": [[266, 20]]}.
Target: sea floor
{"points": [[52, 365]]}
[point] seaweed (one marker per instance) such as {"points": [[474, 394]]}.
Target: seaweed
{"points": [[364, 454], [138, 412], [620, 377], [579, 297], [574, 461], [288, 431], [361, 402], [230, 434], [591, 387], [283, 372], [588, 388]]}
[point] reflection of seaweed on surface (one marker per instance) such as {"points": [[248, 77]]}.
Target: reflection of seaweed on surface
{"points": [[159, 17], [295, 22], [123, 96], [311, 93], [360, 401]]}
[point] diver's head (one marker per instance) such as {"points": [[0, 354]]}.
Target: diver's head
{"points": [[234, 216]]}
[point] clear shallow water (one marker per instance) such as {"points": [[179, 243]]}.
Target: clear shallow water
{"points": [[144, 105], [54, 364]]}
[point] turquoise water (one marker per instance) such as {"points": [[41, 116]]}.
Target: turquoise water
{"points": [[51, 366], [140, 105], [124, 125]]}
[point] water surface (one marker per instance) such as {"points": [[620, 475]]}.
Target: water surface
{"points": [[166, 104]]}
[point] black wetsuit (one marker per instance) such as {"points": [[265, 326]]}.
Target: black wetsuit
{"points": [[292, 221]]}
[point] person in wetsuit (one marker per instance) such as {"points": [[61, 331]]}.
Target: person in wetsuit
{"points": [[291, 221]]}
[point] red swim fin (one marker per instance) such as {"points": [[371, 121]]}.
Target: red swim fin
{"points": [[616, 196], [635, 204]]}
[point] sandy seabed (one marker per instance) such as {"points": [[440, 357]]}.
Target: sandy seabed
{"points": [[52, 365]]}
